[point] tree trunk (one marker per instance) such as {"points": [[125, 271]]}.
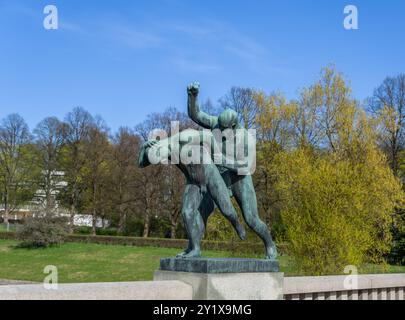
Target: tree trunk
{"points": [[94, 224], [173, 230], [174, 219], [123, 220], [72, 218], [146, 225], [6, 209], [394, 152], [94, 228], [48, 206], [6, 217]]}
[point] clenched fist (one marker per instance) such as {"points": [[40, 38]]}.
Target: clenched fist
{"points": [[193, 89]]}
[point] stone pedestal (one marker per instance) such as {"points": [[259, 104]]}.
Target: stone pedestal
{"points": [[225, 279]]}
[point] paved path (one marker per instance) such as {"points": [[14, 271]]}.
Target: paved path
{"points": [[13, 282]]}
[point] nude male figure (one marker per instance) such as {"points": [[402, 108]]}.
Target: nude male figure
{"points": [[205, 187], [241, 185]]}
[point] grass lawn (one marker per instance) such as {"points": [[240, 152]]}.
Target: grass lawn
{"points": [[78, 262]]}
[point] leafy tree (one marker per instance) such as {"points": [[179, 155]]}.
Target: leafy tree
{"points": [[17, 158], [336, 213], [397, 254], [321, 176], [275, 133]]}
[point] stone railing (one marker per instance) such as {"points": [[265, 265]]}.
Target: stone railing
{"points": [[149, 290], [368, 287], [361, 287]]}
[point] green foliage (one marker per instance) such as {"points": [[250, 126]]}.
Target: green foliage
{"points": [[220, 235], [42, 232], [107, 232], [219, 229], [133, 227], [336, 213], [322, 181], [397, 254]]}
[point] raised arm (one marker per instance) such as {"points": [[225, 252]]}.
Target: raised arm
{"points": [[201, 118]]}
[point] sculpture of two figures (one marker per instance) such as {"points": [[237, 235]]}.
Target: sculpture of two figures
{"points": [[217, 163]]}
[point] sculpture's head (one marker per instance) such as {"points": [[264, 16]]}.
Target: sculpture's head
{"points": [[228, 119]]}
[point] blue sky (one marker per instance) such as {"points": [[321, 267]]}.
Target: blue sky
{"points": [[124, 59]]}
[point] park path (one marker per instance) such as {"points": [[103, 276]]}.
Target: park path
{"points": [[4, 282]]}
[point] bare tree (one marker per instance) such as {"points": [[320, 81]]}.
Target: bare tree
{"points": [[124, 173], [242, 100], [173, 182], [49, 138], [79, 122], [388, 104], [151, 192], [161, 185], [208, 107], [96, 170], [16, 160]]}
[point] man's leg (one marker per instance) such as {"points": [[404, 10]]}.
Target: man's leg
{"points": [[245, 195], [220, 194], [193, 221]]}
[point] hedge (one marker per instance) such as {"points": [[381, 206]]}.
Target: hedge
{"points": [[242, 247]]}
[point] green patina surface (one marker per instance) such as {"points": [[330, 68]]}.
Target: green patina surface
{"points": [[219, 265]]}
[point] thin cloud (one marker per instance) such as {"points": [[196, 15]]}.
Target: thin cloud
{"points": [[193, 66], [18, 7], [70, 26], [221, 37], [137, 39]]}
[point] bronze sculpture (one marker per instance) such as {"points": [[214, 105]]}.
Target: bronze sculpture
{"points": [[204, 189], [214, 182]]}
